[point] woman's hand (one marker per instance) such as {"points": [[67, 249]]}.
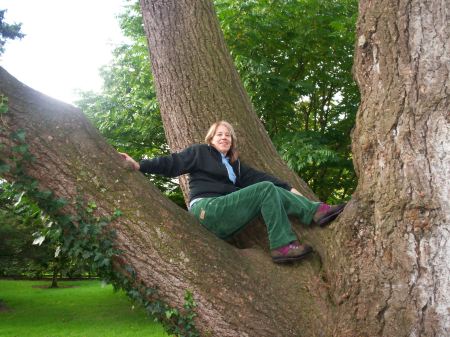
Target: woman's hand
{"points": [[130, 161]]}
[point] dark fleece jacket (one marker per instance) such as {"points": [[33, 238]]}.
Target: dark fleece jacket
{"points": [[208, 176]]}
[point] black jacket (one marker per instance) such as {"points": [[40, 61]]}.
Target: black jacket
{"points": [[208, 176]]}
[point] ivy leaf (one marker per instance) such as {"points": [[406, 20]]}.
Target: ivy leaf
{"points": [[22, 149], [57, 251], [38, 241], [19, 200], [19, 135], [4, 168], [3, 104]]}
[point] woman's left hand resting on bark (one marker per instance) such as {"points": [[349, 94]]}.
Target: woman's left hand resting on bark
{"points": [[130, 161]]}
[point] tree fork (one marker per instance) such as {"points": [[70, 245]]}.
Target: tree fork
{"points": [[386, 265]]}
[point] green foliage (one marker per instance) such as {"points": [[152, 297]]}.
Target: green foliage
{"points": [[3, 105], [291, 52], [8, 31], [295, 60], [321, 162], [304, 149], [176, 322], [83, 239], [26, 213], [19, 219]]}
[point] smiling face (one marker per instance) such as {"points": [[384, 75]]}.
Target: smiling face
{"points": [[222, 139]]}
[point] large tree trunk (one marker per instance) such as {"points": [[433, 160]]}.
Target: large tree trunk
{"points": [[383, 267], [400, 274]]}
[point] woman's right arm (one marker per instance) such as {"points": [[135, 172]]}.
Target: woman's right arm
{"points": [[171, 165]]}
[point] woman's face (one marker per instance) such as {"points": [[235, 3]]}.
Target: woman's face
{"points": [[222, 139]]}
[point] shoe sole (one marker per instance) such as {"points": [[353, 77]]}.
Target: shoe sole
{"points": [[283, 259], [330, 217]]}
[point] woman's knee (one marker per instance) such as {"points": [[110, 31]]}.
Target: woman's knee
{"points": [[265, 186]]}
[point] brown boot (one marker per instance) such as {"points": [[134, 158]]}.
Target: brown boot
{"points": [[325, 213], [291, 252]]}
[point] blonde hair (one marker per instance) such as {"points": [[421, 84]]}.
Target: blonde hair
{"points": [[232, 152]]}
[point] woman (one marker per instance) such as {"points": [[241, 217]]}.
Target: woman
{"points": [[225, 194]]}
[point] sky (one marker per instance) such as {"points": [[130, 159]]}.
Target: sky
{"points": [[66, 43]]}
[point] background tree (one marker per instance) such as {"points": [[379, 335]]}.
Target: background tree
{"points": [[29, 243], [19, 219], [8, 31]]}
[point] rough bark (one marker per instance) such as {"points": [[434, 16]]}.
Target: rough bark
{"points": [[396, 277]]}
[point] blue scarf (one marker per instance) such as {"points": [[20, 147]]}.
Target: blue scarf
{"points": [[231, 174]]}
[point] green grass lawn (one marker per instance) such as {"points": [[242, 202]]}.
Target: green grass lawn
{"points": [[86, 309]]}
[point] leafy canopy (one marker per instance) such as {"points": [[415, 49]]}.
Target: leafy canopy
{"points": [[295, 60]]}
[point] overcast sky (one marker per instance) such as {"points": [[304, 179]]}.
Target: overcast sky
{"points": [[66, 42]]}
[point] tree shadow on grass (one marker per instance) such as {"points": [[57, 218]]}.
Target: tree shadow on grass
{"points": [[45, 286], [3, 306]]}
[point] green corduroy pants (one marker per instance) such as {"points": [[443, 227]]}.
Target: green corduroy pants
{"points": [[228, 214]]}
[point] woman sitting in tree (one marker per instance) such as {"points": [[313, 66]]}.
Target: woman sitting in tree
{"points": [[226, 194]]}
